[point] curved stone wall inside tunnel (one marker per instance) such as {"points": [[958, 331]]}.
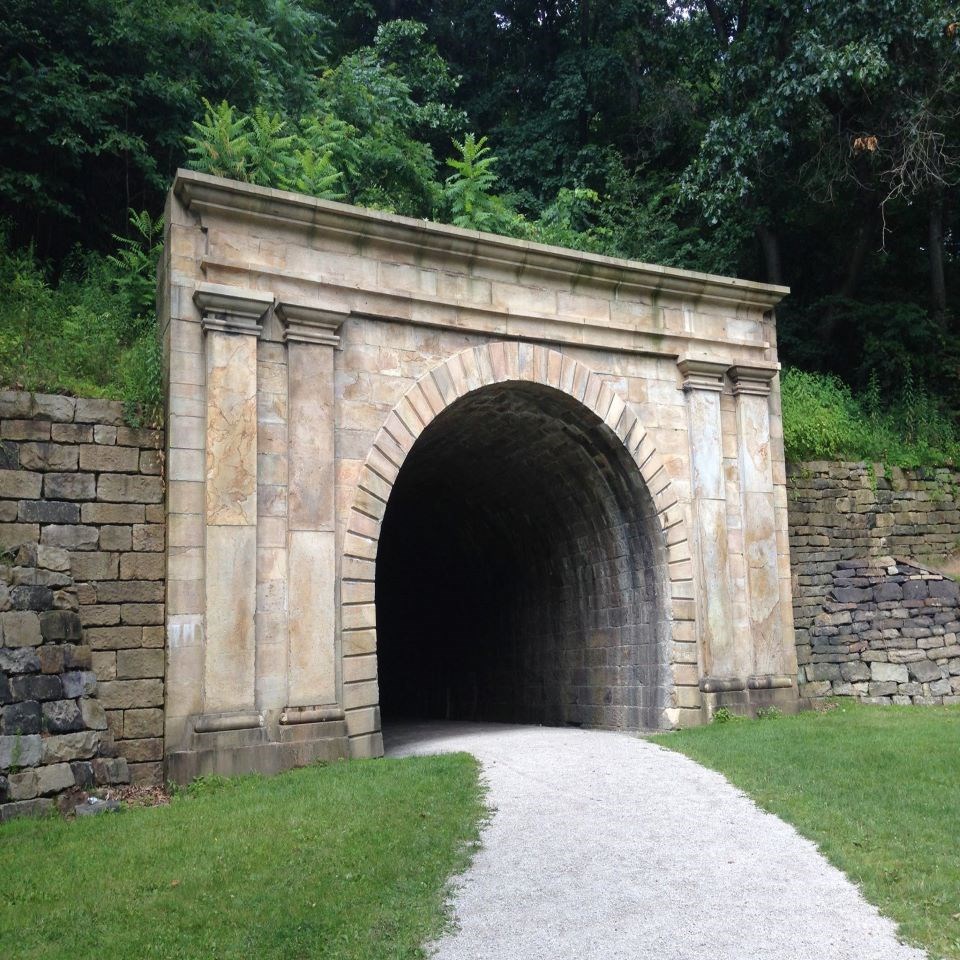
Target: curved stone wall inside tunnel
{"points": [[521, 573]]}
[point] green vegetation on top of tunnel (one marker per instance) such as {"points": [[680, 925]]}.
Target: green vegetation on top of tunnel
{"points": [[349, 861], [819, 149], [874, 787]]}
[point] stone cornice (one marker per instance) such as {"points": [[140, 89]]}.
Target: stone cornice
{"points": [[231, 309], [702, 374], [753, 379], [202, 193], [303, 323]]}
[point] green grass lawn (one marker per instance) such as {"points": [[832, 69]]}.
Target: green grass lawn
{"points": [[877, 788], [343, 861]]}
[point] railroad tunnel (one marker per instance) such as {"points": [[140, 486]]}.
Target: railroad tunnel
{"points": [[521, 571]]}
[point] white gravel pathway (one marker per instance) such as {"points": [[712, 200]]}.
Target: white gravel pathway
{"points": [[603, 845]]}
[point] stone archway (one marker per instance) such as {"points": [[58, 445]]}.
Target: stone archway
{"points": [[605, 658]]}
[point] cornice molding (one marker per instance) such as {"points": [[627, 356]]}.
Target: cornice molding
{"points": [[201, 193]]}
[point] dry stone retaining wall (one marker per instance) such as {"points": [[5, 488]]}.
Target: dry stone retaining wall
{"points": [[847, 523], [85, 492], [54, 741]]}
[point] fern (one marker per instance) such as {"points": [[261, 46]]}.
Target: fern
{"points": [[223, 145]]}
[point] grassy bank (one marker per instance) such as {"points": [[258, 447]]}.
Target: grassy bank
{"points": [[877, 788], [336, 862]]}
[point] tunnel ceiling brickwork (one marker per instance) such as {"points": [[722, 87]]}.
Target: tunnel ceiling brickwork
{"points": [[573, 467]]}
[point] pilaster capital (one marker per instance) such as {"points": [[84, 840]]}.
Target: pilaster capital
{"points": [[304, 323], [753, 379], [231, 309], [700, 373]]}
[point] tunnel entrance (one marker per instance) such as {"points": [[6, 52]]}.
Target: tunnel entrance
{"points": [[520, 571]]}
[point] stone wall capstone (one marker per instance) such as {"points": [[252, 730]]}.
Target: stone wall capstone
{"points": [[84, 493], [848, 521]]}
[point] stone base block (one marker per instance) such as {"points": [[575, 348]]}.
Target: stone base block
{"points": [[747, 702], [235, 752]]}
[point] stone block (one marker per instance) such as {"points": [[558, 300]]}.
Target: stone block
{"points": [[20, 660], [944, 589], [915, 590], [95, 566], [142, 750], [105, 664], [147, 773], [104, 434], [36, 686], [23, 786], [141, 613], [62, 716], [127, 694], [823, 671], [25, 430], [55, 778], [49, 456], [854, 671], [97, 458], [130, 591], [31, 596], [116, 538], [882, 689], [20, 485], [151, 463], [111, 770], [20, 628], [93, 714], [48, 511], [142, 566], [77, 657], [70, 746], [923, 671], [122, 488], [148, 537], [20, 750], [138, 724], [8, 511], [14, 535], [61, 625], [889, 673], [140, 437], [127, 513], [154, 636], [941, 688], [139, 664], [99, 615], [41, 807], [71, 433], [52, 406], [75, 537], [79, 683], [51, 657], [21, 718], [99, 411], [53, 558], [9, 455], [83, 774], [69, 486], [114, 638]]}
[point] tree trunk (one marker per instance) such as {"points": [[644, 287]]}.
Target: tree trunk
{"points": [[938, 284], [770, 246]]}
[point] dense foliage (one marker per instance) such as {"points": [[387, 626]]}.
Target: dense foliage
{"points": [[809, 143]]}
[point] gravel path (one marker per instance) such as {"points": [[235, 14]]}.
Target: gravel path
{"points": [[603, 845]]}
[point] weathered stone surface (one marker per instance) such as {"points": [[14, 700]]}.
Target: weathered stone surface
{"points": [[139, 724], [137, 664], [99, 411], [93, 714], [127, 694], [48, 456], [48, 511], [61, 625], [923, 671], [62, 716], [70, 746], [21, 718], [98, 458], [20, 750], [122, 488], [21, 628], [111, 770], [883, 672], [20, 485], [31, 596], [73, 537], [79, 683], [19, 660]]}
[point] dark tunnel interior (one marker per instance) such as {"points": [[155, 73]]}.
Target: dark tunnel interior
{"points": [[520, 571]]}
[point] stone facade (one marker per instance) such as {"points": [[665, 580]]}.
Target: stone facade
{"points": [[83, 493], [859, 511], [54, 741], [319, 353], [887, 633]]}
